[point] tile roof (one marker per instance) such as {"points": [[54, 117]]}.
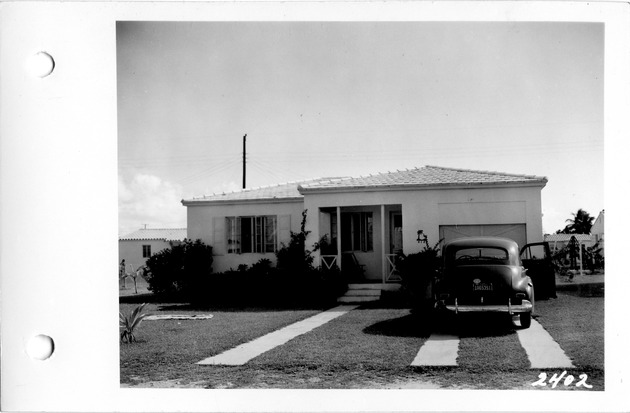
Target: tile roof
{"points": [[425, 176], [567, 237], [428, 176], [164, 234], [286, 191]]}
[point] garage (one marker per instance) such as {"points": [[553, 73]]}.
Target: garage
{"points": [[517, 232]]}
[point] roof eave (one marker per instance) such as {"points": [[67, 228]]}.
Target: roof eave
{"points": [[151, 239], [200, 202], [407, 187]]}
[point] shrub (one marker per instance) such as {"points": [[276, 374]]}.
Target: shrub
{"points": [[294, 281], [418, 272], [181, 269], [295, 258], [325, 246], [593, 257], [262, 268]]}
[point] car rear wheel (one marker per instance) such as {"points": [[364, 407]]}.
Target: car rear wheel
{"points": [[526, 319]]}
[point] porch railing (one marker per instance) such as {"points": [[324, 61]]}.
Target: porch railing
{"points": [[328, 261], [391, 273]]}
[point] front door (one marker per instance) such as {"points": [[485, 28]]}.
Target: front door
{"points": [[396, 239]]}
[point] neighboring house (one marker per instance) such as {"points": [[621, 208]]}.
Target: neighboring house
{"points": [[370, 218], [559, 241], [597, 230], [135, 248]]}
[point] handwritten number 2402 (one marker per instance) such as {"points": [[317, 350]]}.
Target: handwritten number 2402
{"points": [[568, 380]]}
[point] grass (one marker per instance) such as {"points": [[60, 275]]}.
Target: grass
{"points": [[371, 339], [490, 337], [576, 321], [371, 347], [169, 349]]}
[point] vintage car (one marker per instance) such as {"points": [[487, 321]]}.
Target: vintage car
{"points": [[485, 274]]}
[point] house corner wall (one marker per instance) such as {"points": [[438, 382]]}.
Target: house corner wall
{"points": [[207, 223]]}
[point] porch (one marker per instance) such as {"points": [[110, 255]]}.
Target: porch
{"points": [[362, 241]]}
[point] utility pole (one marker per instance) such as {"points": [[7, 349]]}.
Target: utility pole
{"points": [[244, 161]]}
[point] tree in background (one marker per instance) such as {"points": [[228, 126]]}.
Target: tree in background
{"points": [[581, 223]]}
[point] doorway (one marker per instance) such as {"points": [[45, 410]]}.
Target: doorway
{"points": [[395, 235]]}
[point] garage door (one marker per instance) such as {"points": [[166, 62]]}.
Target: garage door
{"points": [[517, 232]]}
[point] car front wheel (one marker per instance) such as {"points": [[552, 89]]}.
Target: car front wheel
{"points": [[526, 319]]}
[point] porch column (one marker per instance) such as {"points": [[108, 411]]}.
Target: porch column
{"points": [[339, 237], [581, 268], [383, 249]]}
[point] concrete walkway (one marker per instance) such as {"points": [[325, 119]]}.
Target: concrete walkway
{"points": [[242, 354], [438, 350], [542, 350]]}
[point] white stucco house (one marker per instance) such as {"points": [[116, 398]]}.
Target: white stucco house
{"points": [[559, 241], [135, 248], [369, 217], [597, 230]]}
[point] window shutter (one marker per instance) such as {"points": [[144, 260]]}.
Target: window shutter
{"points": [[218, 230], [284, 229]]}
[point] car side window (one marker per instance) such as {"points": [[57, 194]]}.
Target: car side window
{"points": [[533, 252]]}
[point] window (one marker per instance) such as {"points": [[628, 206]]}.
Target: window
{"points": [[534, 252], [146, 251], [251, 234], [481, 255], [356, 231]]}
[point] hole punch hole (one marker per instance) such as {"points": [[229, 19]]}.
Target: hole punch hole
{"points": [[41, 64], [40, 347]]}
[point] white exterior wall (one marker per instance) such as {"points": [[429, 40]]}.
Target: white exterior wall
{"points": [[428, 209], [207, 222], [598, 232], [131, 251]]}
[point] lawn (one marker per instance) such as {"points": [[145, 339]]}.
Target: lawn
{"points": [[370, 347], [169, 349], [366, 338], [576, 321]]}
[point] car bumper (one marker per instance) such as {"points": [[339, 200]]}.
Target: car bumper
{"points": [[524, 307]]}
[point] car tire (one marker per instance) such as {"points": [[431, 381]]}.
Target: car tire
{"points": [[526, 320]]}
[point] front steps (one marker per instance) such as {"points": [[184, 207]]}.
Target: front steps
{"points": [[361, 293]]}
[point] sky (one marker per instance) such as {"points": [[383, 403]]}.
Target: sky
{"points": [[321, 99]]}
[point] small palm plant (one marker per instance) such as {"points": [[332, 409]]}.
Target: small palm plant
{"points": [[130, 322]]}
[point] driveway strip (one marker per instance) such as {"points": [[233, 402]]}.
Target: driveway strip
{"points": [[242, 354], [438, 350], [542, 350]]}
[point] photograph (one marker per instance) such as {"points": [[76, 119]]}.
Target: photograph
{"points": [[376, 204]]}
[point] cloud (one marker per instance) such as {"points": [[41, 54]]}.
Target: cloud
{"points": [[553, 219], [147, 199]]}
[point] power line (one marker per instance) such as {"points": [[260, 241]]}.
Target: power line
{"points": [[335, 155], [223, 166]]}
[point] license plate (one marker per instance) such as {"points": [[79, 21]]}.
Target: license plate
{"points": [[482, 287]]}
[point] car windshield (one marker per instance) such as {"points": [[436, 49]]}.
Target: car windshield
{"points": [[480, 255]]}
